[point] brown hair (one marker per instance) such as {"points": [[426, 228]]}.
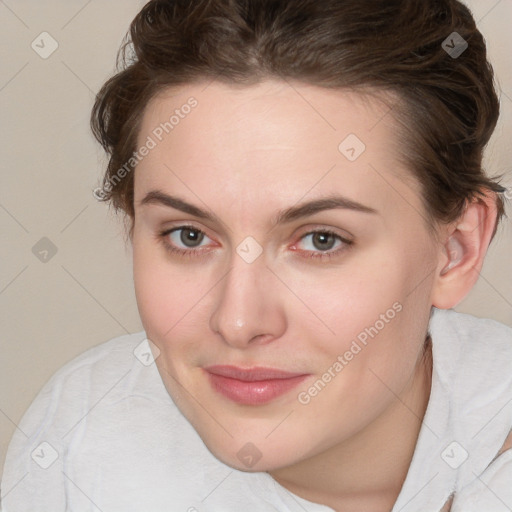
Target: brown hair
{"points": [[447, 102]]}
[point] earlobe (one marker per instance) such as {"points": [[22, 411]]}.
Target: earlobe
{"points": [[462, 254]]}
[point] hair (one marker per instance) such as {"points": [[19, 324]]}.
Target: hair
{"points": [[446, 104]]}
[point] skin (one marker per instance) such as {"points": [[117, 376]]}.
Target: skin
{"points": [[245, 154]]}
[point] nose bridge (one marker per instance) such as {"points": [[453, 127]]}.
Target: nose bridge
{"points": [[246, 307]]}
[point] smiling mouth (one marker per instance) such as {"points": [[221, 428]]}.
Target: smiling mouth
{"points": [[252, 386]]}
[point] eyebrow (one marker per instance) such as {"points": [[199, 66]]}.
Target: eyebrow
{"points": [[284, 216]]}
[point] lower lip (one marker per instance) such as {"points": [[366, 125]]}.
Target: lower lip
{"points": [[253, 393]]}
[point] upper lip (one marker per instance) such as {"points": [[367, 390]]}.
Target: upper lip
{"points": [[250, 374]]}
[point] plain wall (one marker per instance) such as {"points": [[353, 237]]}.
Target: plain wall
{"points": [[83, 295]]}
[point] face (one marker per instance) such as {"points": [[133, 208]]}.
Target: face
{"points": [[231, 268]]}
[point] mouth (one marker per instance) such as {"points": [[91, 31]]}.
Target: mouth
{"points": [[252, 386]]}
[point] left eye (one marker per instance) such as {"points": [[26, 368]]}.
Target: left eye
{"points": [[322, 241]]}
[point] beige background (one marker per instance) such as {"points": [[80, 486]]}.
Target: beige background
{"points": [[83, 295]]}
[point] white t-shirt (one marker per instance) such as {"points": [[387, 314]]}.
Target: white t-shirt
{"points": [[104, 435]]}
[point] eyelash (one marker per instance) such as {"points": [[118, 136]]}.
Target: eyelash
{"points": [[193, 253]]}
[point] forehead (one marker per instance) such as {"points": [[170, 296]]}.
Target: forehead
{"points": [[274, 142], [270, 112]]}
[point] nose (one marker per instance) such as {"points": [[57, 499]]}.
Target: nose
{"points": [[247, 308]]}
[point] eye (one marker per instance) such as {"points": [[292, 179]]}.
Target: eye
{"points": [[188, 236], [323, 243], [183, 240], [321, 240]]}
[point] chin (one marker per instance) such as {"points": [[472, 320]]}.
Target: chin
{"points": [[250, 457]]}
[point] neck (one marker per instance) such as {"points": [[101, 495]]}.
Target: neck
{"points": [[366, 472]]}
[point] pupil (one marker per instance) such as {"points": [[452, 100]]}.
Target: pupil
{"points": [[323, 241], [191, 236]]}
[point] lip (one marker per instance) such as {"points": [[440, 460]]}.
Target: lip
{"points": [[252, 386]]}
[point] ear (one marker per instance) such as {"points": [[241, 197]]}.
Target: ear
{"points": [[463, 251]]}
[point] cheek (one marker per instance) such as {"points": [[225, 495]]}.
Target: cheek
{"points": [[348, 298], [378, 337], [158, 288], [170, 297], [376, 309]]}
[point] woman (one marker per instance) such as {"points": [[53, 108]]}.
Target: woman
{"points": [[304, 194]]}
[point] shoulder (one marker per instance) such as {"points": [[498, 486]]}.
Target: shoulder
{"points": [[82, 378], [104, 371], [473, 371], [468, 344], [472, 357], [77, 412]]}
